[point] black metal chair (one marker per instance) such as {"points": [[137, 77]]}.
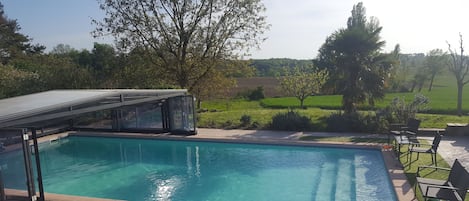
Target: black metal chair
{"points": [[406, 135], [425, 149], [453, 189]]}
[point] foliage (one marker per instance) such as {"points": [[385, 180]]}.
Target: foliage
{"points": [[12, 43], [218, 82], [435, 60], [399, 111], [275, 67], [356, 122], [252, 94], [12, 79], [291, 121], [353, 58], [133, 71], [256, 94], [245, 120], [459, 66], [185, 40], [53, 73], [302, 82]]}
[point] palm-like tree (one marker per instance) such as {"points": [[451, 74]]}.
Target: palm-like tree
{"points": [[354, 60]]}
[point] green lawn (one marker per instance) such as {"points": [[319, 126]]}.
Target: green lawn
{"points": [[410, 168], [227, 114], [443, 98]]}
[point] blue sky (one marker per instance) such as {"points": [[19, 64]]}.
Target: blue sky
{"points": [[298, 27]]}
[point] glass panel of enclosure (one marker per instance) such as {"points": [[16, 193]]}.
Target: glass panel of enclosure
{"points": [[146, 116], [98, 120], [12, 163], [181, 110]]}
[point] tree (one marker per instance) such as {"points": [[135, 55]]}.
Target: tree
{"points": [[434, 63], [12, 43], [220, 80], [13, 82], [62, 49], [185, 39], [302, 82], [459, 66], [353, 58], [419, 78], [103, 61]]}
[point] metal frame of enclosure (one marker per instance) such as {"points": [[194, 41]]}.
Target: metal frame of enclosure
{"points": [[23, 118]]}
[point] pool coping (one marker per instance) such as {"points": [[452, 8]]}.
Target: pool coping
{"points": [[403, 189]]}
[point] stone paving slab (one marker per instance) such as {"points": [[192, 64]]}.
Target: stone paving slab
{"points": [[454, 147]]}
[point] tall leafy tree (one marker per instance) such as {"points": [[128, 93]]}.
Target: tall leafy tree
{"points": [[302, 82], [435, 61], [459, 66], [185, 39], [354, 60], [12, 43], [103, 61]]}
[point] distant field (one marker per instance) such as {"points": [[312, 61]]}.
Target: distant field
{"points": [[270, 84], [443, 99], [227, 113]]}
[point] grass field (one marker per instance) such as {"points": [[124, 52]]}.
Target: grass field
{"points": [[227, 113], [443, 99]]}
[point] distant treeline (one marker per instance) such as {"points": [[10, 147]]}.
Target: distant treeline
{"points": [[275, 66]]}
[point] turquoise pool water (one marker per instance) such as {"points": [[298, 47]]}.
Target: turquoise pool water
{"points": [[140, 170]]}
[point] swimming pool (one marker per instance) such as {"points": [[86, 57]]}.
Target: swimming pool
{"points": [[138, 169]]}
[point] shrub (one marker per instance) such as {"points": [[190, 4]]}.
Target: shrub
{"points": [[257, 94], [245, 120], [355, 122], [399, 110], [252, 94], [290, 120]]}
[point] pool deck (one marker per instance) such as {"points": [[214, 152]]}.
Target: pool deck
{"points": [[450, 148]]}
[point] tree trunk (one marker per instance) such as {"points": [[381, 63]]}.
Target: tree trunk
{"points": [[414, 83], [460, 87], [199, 103], [431, 82], [302, 103]]}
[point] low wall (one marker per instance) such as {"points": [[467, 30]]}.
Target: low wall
{"points": [[457, 129]]}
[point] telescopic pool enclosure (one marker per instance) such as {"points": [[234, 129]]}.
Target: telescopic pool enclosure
{"points": [[24, 118]]}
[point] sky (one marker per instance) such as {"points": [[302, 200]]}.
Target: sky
{"points": [[298, 27]]}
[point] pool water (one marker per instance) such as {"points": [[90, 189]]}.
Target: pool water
{"points": [[138, 170]]}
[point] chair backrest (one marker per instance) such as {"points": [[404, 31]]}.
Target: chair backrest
{"points": [[459, 178], [413, 125], [436, 142]]}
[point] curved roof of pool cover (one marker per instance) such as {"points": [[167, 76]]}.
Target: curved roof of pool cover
{"points": [[56, 104]]}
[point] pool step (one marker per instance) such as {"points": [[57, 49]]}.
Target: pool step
{"points": [[335, 182], [344, 189], [327, 182], [360, 178]]}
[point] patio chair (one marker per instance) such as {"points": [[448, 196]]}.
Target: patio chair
{"points": [[406, 134], [454, 188], [410, 129], [425, 149]]}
